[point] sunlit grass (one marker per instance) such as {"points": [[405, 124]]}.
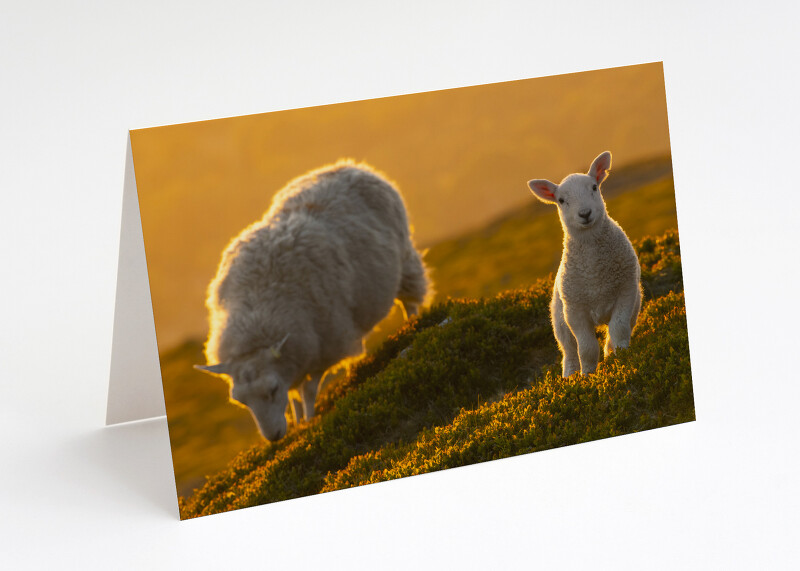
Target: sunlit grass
{"points": [[469, 381], [207, 431], [627, 394]]}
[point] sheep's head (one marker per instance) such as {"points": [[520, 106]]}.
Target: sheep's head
{"points": [[261, 382], [580, 203]]}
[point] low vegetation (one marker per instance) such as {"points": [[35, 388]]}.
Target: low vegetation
{"points": [[624, 396], [472, 380], [207, 430]]}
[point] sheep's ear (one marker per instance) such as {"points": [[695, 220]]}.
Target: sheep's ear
{"points": [[218, 369], [544, 190], [600, 167]]}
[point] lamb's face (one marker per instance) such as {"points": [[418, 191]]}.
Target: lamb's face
{"points": [[259, 386], [580, 204]]}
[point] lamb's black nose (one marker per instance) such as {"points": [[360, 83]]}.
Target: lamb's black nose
{"points": [[585, 213]]}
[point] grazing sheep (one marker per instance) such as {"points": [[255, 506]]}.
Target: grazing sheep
{"points": [[598, 279], [296, 292]]}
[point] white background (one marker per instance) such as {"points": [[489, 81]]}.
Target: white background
{"points": [[719, 493]]}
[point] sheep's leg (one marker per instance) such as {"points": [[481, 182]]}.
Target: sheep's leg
{"points": [[609, 346], [410, 309], [295, 407], [566, 341], [582, 327], [413, 282], [623, 320], [637, 306], [309, 393], [619, 333]]}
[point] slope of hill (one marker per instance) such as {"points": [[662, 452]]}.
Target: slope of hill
{"points": [[468, 381], [207, 430]]}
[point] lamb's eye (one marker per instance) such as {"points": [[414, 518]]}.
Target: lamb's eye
{"points": [[594, 187], [561, 200], [273, 393]]}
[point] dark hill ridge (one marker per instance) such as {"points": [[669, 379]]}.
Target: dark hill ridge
{"points": [[626, 178], [525, 244], [635, 175], [469, 381], [622, 179]]}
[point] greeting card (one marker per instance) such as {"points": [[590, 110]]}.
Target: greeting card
{"points": [[334, 296]]}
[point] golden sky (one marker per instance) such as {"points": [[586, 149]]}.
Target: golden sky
{"points": [[460, 157]]}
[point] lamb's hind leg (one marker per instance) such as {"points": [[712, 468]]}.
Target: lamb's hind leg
{"points": [[608, 348], [582, 327], [570, 362], [623, 319], [619, 334]]}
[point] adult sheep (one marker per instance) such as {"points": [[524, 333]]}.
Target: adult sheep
{"points": [[296, 292], [598, 280]]}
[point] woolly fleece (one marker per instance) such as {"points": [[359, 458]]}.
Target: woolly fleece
{"points": [[598, 280], [296, 292]]}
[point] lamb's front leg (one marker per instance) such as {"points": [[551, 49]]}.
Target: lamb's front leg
{"points": [[308, 390], [570, 363], [582, 327]]}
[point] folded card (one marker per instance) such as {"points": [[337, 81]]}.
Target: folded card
{"points": [[353, 293]]}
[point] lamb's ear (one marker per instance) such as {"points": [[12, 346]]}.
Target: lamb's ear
{"points": [[218, 369], [544, 190], [600, 167]]}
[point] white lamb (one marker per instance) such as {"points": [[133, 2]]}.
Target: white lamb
{"points": [[598, 280], [296, 292]]}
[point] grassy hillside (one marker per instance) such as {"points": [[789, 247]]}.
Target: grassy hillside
{"points": [[207, 431], [468, 381], [626, 395]]}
